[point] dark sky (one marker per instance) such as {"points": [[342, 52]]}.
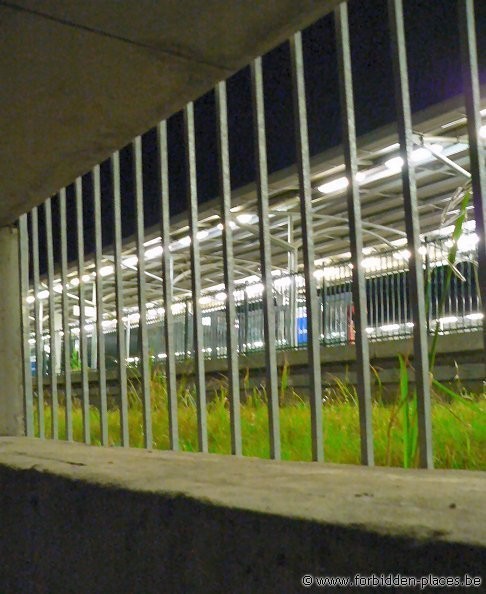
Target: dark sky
{"points": [[434, 71]]}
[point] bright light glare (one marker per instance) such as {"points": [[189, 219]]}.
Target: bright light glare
{"points": [[482, 131], [43, 294], [106, 270], [221, 296], [154, 252], [130, 261], [244, 218], [202, 234], [421, 154], [475, 316], [334, 186], [30, 299], [394, 164], [467, 242]]}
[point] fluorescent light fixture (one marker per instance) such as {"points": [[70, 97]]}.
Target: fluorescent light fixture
{"points": [[130, 261], [371, 263], [482, 131], [475, 316], [390, 327], [86, 278], [334, 186], [106, 270], [74, 282], [245, 218], [448, 320], [205, 300], [394, 164], [43, 294], [30, 299], [221, 296], [184, 241], [420, 155], [402, 255], [154, 252], [57, 288], [202, 234]]}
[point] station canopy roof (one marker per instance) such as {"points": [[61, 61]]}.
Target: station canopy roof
{"points": [[441, 164]]}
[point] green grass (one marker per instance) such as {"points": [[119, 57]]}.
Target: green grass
{"points": [[459, 428]]}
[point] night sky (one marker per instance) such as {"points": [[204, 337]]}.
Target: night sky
{"points": [[434, 71]]}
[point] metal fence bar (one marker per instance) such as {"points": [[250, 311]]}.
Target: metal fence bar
{"points": [[476, 151], [66, 331], [190, 145], [265, 257], [228, 269], [355, 233], [120, 335], [83, 341], [52, 321], [311, 304], [39, 347], [25, 320], [417, 294], [100, 335], [142, 306], [167, 280]]}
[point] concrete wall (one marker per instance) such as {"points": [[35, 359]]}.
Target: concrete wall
{"points": [[11, 388], [79, 519]]}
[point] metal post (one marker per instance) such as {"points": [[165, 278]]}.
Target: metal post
{"points": [[476, 149], [83, 342], [121, 346], [39, 349], [52, 328], [25, 320], [228, 269], [100, 336], [142, 310], [312, 310], [412, 225], [167, 279], [198, 345], [355, 233], [265, 257], [65, 317]]}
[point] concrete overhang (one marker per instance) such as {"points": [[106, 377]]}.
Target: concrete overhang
{"points": [[81, 78]]}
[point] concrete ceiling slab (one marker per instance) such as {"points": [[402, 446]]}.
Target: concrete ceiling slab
{"points": [[81, 78]]}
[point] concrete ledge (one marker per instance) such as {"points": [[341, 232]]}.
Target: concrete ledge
{"points": [[75, 518]]}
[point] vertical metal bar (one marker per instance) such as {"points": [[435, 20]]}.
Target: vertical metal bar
{"points": [[24, 291], [39, 348], [355, 233], [65, 317], [303, 166], [120, 338], [167, 280], [417, 296], [100, 336], [190, 144], [142, 309], [52, 325], [228, 269], [265, 257], [83, 342], [476, 151]]}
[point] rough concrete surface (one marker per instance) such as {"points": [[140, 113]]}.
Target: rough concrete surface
{"points": [[83, 519], [81, 78]]}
